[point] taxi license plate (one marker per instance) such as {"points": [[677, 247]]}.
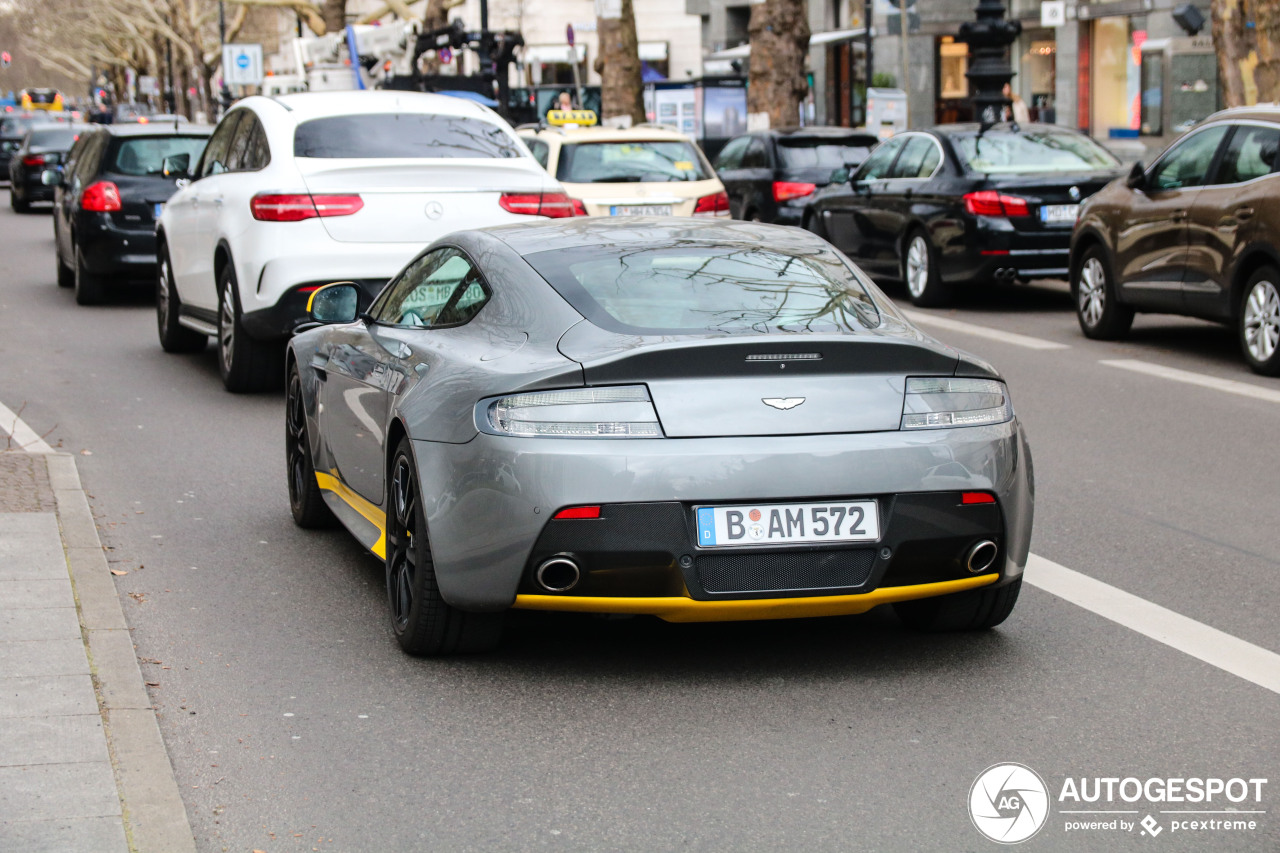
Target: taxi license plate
{"points": [[1059, 214], [159, 209], [640, 210], [787, 524]]}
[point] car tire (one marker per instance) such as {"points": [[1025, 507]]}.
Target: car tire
{"points": [[975, 610], [246, 365], [815, 225], [1259, 321], [424, 624], [174, 337], [305, 499], [17, 201], [90, 288], [1093, 290], [920, 272], [66, 275]]}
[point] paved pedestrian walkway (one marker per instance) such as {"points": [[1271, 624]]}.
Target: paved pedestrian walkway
{"points": [[82, 766]]}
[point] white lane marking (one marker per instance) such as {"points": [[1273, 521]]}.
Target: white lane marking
{"points": [[1214, 647], [1244, 389], [983, 331], [22, 437]]}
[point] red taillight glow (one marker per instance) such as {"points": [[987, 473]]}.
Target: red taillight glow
{"points": [[279, 207], [579, 512], [579, 208], [784, 190], [37, 159], [550, 205], [101, 197], [977, 498], [712, 204], [992, 203]]}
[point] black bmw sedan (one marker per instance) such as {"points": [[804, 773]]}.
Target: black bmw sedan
{"points": [[957, 204], [109, 196]]}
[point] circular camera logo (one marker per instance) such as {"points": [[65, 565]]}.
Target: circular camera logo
{"points": [[1008, 803]]}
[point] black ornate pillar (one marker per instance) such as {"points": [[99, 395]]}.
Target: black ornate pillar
{"points": [[989, 38]]}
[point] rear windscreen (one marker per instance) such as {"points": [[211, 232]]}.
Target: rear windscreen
{"points": [[636, 162], [827, 154], [145, 156], [697, 289], [53, 137], [402, 135], [998, 151]]}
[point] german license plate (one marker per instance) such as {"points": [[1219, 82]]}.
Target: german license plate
{"points": [[640, 210], [159, 209], [787, 524], [1059, 214]]}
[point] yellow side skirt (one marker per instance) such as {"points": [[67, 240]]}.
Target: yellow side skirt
{"points": [[370, 512], [680, 609]]}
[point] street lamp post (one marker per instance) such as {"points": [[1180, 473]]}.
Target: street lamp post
{"points": [[989, 38], [224, 93]]}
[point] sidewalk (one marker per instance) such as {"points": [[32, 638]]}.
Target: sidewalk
{"points": [[82, 766]]}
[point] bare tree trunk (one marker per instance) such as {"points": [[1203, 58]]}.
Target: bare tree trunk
{"points": [[334, 13], [779, 32], [1236, 54], [1266, 16], [621, 86]]}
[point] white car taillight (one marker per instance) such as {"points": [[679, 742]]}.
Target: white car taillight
{"points": [[617, 412], [939, 403]]}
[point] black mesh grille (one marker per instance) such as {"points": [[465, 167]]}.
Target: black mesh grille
{"points": [[792, 571]]}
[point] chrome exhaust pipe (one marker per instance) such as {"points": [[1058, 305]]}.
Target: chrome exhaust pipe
{"points": [[559, 573], [981, 556]]}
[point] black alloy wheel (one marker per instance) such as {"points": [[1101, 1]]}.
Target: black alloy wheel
{"points": [[1100, 314], [246, 365], [66, 275], [90, 288], [423, 623], [305, 499], [174, 337]]}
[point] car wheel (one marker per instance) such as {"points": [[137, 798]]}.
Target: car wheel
{"points": [[18, 201], [817, 226], [1101, 316], [423, 623], [975, 610], [246, 365], [89, 287], [921, 274], [174, 337], [1260, 322], [66, 275], [305, 500]]}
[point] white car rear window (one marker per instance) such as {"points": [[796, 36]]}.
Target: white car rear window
{"points": [[402, 135]]}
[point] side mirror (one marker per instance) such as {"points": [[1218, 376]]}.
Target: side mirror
{"points": [[335, 303], [176, 166], [839, 176], [51, 177], [1137, 177]]}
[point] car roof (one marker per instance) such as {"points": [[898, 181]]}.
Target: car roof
{"points": [[1254, 112], [308, 105], [632, 232], [820, 130], [641, 133], [157, 128], [965, 128]]}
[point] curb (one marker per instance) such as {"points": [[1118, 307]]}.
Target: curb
{"points": [[154, 817]]}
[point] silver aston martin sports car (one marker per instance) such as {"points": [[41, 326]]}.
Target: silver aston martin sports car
{"points": [[693, 419]]}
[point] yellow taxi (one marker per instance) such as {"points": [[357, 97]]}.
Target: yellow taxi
{"points": [[645, 170], [41, 99]]}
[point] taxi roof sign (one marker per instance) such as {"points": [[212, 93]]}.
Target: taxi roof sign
{"points": [[581, 118]]}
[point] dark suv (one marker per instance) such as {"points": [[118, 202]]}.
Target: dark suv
{"points": [[770, 175], [1197, 233], [109, 196]]}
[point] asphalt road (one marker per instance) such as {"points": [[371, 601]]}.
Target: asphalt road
{"points": [[294, 722]]}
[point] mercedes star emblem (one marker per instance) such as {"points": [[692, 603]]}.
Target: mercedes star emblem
{"points": [[434, 210]]}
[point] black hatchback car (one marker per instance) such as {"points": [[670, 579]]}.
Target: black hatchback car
{"points": [[960, 203], [43, 147], [115, 183], [770, 175]]}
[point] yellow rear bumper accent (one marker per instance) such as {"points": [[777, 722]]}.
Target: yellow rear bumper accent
{"points": [[370, 512], [680, 609]]}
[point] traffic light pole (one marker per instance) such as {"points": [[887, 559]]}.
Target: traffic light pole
{"points": [[224, 93]]}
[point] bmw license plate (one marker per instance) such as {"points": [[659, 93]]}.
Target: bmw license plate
{"points": [[640, 210], [1059, 214], [787, 524], [159, 209]]}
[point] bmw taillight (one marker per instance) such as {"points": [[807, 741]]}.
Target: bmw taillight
{"points": [[39, 159], [712, 205], [992, 203], [100, 197], [294, 207], [786, 190], [550, 205]]}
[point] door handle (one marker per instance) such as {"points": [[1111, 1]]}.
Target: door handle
{"points": [[1178, 216], [217, 201], [1244, 212]]}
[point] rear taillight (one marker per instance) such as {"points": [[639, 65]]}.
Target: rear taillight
{"points": [[101, 197], [579, 208], [294, 207], [712, 205], [785, 190], [550, 205], [39, 159], [992, 203]]}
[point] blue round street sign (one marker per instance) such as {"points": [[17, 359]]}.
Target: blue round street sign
{"points": [[242, 61]]}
